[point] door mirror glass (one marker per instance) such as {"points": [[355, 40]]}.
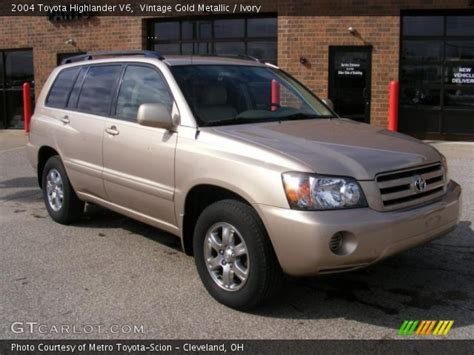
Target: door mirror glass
{"points": [[155, 115], [329, 103]]}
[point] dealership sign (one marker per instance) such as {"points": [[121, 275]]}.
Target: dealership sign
{"points": [[463, 75]]}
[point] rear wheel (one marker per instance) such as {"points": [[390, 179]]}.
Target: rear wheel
{"points": [[234, 256], [61, 201]]}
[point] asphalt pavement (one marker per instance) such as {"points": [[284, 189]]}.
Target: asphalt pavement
{"points": [[134, 281]]}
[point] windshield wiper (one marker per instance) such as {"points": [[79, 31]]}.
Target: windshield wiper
{"points": [[300, 115]]}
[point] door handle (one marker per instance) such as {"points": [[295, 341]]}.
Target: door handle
{"points": [[112, 130], [65, 119]]}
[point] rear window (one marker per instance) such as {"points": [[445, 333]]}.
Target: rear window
{"points": [[61, 87], [98, 89]]}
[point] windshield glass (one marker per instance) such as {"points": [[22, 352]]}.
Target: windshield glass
{"points": [[236, 94]]}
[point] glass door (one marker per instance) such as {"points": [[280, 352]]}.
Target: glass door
{"points": [[350, 70], [16, 69]]}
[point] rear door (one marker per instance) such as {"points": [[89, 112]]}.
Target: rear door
{"points": [[82, 123], [138, 160]]}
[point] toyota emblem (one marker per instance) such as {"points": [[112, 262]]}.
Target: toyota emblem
{"points": [[419, 184]]}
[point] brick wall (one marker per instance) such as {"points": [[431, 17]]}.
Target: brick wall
{"points": [[308, 36], [311, 37]]}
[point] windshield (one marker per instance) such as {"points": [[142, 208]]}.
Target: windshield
{"points": [[236, 94]]}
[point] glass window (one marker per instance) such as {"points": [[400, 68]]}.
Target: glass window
{"points": [[141, 85], [18, 67], [420, 96], [187, 48], [166, 30], [203, 29], [234, 28], [460, 50], [423, 25], [225, 94], [262, 27], [72, 102], [230, 48], [187, 28], [61, 87], [463, 98], [460, 26], [167, 48], [422, 50], [98, 89], [265, 50], [256, 37], [421, 74]]}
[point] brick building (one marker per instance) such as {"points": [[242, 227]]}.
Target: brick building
{"points": [[349, 56]]}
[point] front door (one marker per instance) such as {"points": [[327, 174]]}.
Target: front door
{"points": [[349, 81], [138, 160]]}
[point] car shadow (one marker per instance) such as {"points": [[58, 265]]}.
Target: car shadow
{"points": [[98, 217]]}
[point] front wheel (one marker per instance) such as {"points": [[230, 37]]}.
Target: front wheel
{"points": [[234, 256], [61, 201]]}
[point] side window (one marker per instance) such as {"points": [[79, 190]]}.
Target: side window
{"points": [[72, 102], [98, 89], [61, 87], [141, 85]]}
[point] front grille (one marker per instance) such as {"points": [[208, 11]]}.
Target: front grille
{"points": [[400, 189]]}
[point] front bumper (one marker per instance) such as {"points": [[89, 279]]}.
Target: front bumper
{"points": [[301, 238]]}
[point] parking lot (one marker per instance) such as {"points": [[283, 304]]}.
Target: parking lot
{"points": [[111, 270]]}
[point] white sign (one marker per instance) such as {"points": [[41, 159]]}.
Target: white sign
{"points": [[464, 75], [350, 69]]}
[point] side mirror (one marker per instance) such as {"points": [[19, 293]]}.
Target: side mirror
{"points": [[155, 115], [329, 103]]}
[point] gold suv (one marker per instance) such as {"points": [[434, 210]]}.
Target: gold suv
{"points": [[255, 174]]}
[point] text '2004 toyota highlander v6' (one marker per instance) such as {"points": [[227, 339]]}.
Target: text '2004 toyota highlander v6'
{"points": [[255, 174]]}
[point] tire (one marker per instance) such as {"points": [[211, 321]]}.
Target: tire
{"points": [[263, 276], [67, 209]]}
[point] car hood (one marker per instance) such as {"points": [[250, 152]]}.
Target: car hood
{"points": [[336, 146]]}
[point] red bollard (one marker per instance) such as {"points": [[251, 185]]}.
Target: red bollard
{"points": [[275, 95], [393, 106], [26, 107]]}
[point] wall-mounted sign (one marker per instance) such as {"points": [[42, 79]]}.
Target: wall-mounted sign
{"points": [[463, 75], [352, 69], [56, 16]]}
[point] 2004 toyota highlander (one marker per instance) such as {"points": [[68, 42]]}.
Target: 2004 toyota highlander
{"points": [[255, 174]]}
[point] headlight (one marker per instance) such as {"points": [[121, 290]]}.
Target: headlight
{"points": [[316, 192]]}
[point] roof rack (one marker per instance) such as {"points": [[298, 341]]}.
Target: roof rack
{"points": [[249, 57], [92, 55]]}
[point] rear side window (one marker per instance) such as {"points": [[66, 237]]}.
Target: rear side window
{"points": [[72, 102], [141, 85], [61, 87], [98, 89]]}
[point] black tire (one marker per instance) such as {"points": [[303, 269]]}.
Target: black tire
{"points": [[264, 273], [71, 208]]}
